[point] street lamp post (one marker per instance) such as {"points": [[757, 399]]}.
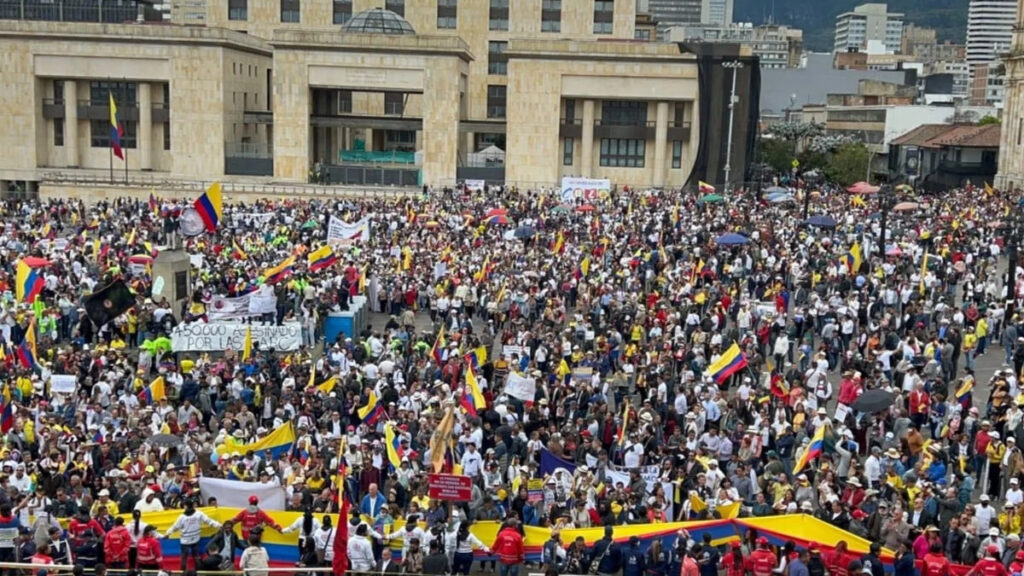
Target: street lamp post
{"points": [[1013, 229], [733, 65], [884, 202]]}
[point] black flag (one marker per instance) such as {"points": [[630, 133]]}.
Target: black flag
{"points": [[109, 302]]}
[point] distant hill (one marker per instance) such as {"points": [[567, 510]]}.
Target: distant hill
{"points": [[817, 18]]}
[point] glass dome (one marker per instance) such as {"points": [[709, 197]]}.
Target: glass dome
{"points": [[378, 21]]}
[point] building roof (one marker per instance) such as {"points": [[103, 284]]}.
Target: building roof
{"points": [[958, 135], [378, 21]]}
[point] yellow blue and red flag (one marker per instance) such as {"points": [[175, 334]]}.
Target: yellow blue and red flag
{"points": [[155, 392], [116, 130], [812, 451], [321, 258], [730, 362], [210, 207], [28, 282]]}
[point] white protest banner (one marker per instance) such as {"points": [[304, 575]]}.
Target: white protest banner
{"points": [[522, 388], [508, 350], [202, 336], [588, 189], [235, 494], [258, 219], [341, 232], [63, 383], [196, 260], [262, 301], [475, 185]]}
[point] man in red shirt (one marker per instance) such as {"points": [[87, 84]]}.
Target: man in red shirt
{"points": [[508, 546], [253, 517], [849, 389], [935, 562], [761, 561], [83, 522], [989, 565], [919, 403], [981, 442], [116, 545]]}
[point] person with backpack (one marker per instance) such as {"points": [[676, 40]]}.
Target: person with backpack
{"points": [[552, 553]]}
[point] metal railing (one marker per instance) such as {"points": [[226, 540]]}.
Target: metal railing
{"points": [[163, 185]]}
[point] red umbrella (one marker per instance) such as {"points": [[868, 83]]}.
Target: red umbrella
{"points": [[586, 208], [496, 212], [862, 188]]}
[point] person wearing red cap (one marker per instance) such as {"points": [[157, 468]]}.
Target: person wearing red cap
{"points": [[253, 517], [989, 565], [1017, 565], [762, 561], [734, 562]]}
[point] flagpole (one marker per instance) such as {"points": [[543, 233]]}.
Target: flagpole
{"points": [[110, 148], [125, 148]]}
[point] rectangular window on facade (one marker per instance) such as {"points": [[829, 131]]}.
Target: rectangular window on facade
{"points": [[677, 154], [396, 6], [604, 14], [496, 101], [58, 91], [394, 103], [342, 11], [642, 34], [344, 101], [100, 133], [125, 94], [58, 131], [551, 16], [567, 152], [622, 153], [498, 15], [167, 135], [570, 111], [623, 113], [238, 10], [497, 62], [447, 14], [291, 11]]}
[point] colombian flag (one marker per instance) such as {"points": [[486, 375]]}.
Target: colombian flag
{"points": [[372, 411], [779, 386], [321, 258], [476, 357], [438, 347], [393, 445], [116, 130], [7, 414], [279, 272], [730, 362], [28, 282], [155, 392], [154, 206], [279, 442], [27, 349], [559, 246], [210, 207], [813, 450], [472, 399], [963, 393], [705, 188]]}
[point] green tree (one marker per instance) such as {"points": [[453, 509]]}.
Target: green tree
{"points": [[777, 153], [849, 164], [988, 119]]}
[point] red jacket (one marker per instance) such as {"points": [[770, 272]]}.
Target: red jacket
{"points": [[149, 551], [116, 545], [849, 390], [934, 565], [509, 547], [76, 528], [250, 520], [989, 567], [762, 562]]}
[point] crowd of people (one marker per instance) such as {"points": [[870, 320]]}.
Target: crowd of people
{"points": [[615, 313]]}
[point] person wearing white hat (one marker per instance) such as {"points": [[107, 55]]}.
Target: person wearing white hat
{"points": [[1014, 495]]}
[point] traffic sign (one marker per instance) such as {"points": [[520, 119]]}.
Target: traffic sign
{"points": [[451, 487], [795, 163]]}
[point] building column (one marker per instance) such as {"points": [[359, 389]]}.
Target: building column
{"points": [[71, 123], [587, 139], [145, 132], [660, 142], [368, 139]]}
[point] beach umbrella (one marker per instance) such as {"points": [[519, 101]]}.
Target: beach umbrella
{"points": [[34, 262], [141, 259], [732, 239], [821, 221], [779, 199], [560, 209], [524, 232], [712, 199], [873, 401], [904, 188], [496, 212], [776, 190], [906, 206], [771, 195], [862, 188]]}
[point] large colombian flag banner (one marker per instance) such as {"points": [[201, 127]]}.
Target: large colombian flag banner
{"points": [[801, 529]]}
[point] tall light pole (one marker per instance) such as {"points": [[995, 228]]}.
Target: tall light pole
{"points": [[733, 65]]}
